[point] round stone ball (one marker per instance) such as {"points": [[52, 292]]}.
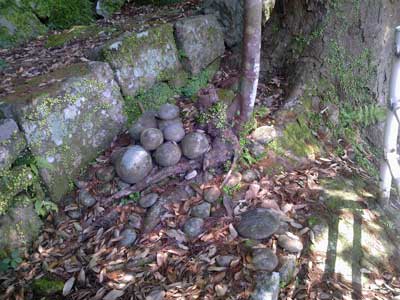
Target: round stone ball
{"points": [[174, 132], [151, 138], [168, 154], [162, 124], [146, 120], [134, 165], [168, 112], [194, 145]]}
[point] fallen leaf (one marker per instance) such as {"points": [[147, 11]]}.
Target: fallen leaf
{"points": [[68, 286], [113, 295]]}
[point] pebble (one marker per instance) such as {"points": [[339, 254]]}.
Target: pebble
{"points": [[168, 154], [193, 227], [153, 216], [283, 228], [128, 237], [105, 188], [174, 132], [194, 145], [225, 260], [168, 111], [288, 269], [256, 149], [258, 223], [201, 210], [151, 139], [296, 225], [74, 214], [148, 200], [191, 175], [264, 259], [212, 194], [221, 289], [156, 295], [105, 174], [122, 184], [86, 199], [135, 221], [290, 244], [249, 176]]}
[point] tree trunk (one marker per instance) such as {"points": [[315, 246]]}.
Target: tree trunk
{"points": [[251, 58]]}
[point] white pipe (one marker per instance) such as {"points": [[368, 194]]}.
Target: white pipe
{"points": [[390, 167]]}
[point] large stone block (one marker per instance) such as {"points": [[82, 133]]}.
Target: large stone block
{"points": [[201, 41], [12, 143], [141, 59], [68, 117], [17, 24]]}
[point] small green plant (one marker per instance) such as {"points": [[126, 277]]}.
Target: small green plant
{"points": [[216, 114], [227, 165], [261, 112], [231, 190], [44, 207], [132, 198], [11, 262]]}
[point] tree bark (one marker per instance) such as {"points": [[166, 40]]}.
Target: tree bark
{"points": [[250, 58]]}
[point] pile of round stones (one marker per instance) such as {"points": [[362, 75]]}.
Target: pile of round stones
{"points": [[161, 137]]}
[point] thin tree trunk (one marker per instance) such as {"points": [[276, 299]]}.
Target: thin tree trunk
{"points": [[250, 58]]}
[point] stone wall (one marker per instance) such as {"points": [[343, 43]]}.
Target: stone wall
{"points": [[55, 124]]}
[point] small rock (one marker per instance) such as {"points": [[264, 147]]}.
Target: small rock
{"points": [[288, 269], [162, 124], [267, 287], [153, 216], [146, 120], [283, 228], [258, 223], [122, 184], [179, 194], [257, 149], [168, 154], [193, 227], [86, 199], [249, 176], [225, 260], [168, 112], [105, 188], [191, 175], [151, 139], [264, 134], [128, 237], [221, 289], [134, 165], [207, 177], [74, 214], [212, 194], [156, 295], [296, 225], [135, 221], [174, 132], [105, 174], [234, 179], [290, 244], [194, 145], [201, 210], [264, 259], [148, 200]]}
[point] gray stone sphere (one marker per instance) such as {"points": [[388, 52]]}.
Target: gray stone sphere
{"points": [[134, 165], [194, 145], [151, 138], [146, 120], [162, 124], [174, 132], [168, 154], [168, 111]]}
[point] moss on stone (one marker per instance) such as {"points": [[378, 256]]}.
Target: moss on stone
{"points": [[157, 2], [46, 286]]}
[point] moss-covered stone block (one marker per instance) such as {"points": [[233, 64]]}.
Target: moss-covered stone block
{"points": [[19, 227], [17, 24], [12, 143], [106, 8], [200, 41], [142, 59], [68, 117]]}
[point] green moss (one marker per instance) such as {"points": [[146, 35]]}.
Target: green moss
{"points": [[47, 286], [152, 99], [215, 114], [61, 14], [157, 2]]}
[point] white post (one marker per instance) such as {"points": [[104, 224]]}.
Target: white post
{"points": [[390, 167]]}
